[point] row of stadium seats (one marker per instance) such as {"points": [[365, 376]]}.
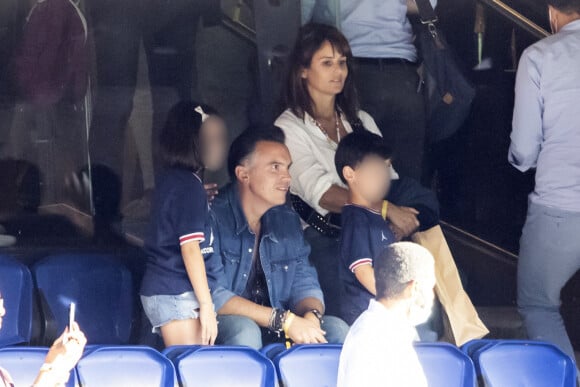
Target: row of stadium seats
{"points": [[498, 363], [102, 289], [100, 286]]}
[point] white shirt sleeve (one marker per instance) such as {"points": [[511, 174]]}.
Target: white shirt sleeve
{"points": [[311, 178], [526, 136]]}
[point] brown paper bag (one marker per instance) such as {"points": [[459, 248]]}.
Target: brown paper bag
{"points": [[460, 314]]}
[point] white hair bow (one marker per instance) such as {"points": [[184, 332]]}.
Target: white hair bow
{"points": [[203, 115]]}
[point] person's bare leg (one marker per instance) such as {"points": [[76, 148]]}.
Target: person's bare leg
{"points": [[181, 332]]}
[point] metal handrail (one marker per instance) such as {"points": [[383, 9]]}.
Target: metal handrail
{"points": [[517, 18]]}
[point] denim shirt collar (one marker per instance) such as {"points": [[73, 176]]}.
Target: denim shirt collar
{"points": [[572, 26], [241, 223]]}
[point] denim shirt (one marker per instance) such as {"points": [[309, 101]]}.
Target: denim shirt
{"points": [[283, 253]]}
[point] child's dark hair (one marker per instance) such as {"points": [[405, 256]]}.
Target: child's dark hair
{"points": [[179, 140], [245, 144], [355, 147]]}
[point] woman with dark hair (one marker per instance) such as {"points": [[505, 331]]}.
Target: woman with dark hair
{"points": [[175, 292], [321, 109]]}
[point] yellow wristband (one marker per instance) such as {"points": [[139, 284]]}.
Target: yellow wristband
{"points": [[384, 209], [287, 321]]}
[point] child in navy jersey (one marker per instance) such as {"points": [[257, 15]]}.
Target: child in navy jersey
{"points": [[175, 292], [363, 163]]}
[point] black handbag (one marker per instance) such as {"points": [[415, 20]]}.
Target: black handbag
{"points": [[448, 92]]}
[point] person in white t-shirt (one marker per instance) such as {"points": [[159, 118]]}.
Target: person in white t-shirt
{"points": [[378, 350]]}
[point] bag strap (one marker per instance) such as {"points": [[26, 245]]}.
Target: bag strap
{"points": [[429, 19], [426, 12]]}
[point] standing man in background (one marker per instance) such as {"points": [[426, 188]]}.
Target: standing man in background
{"points": [[546, 136]]}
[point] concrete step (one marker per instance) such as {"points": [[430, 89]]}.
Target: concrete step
{"points": [[503, 322]]}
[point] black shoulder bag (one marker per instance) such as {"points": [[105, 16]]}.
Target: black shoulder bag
{"points": [[448, 93]]}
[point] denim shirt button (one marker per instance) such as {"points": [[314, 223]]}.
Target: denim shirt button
{"points": [[249, 250], [285, 267]]}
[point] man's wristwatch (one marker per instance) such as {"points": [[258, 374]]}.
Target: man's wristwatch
{"points": [[318, 315]]}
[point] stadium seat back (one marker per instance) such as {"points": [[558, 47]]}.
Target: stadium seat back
{"points": [[530, 364], [272, 350], [472, 346], [100, 286], [124, 366], [16, 289], [309, 365], [445, 365], [23, 364], [222, 366]]}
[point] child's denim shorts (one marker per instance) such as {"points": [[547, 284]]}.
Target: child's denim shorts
{"points": [[161, 309]]}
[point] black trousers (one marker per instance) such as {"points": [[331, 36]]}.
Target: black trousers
{"points": [[388, 91], [167, 30]]}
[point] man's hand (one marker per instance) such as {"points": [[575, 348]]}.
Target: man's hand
{"points": [[312, 317], [303, 330], [403, 219]]}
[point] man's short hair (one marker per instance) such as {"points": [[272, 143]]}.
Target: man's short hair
{"points": [[399, 264], [566, 6], [355, 147], [245, 144]]}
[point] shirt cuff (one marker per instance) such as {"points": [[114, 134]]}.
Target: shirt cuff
{"points": [[360, 262], [220, 296], [195, 236], [312, 293]]}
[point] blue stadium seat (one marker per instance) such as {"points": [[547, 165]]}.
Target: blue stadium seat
{"points": [[124, 366], [16, 289], [100, 286], [219, 366], [525, 363], [311, 365], [472, 346], [445, 365], [273, 350], [23, 364]]}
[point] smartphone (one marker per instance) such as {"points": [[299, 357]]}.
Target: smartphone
{"points": [[71, 315]]}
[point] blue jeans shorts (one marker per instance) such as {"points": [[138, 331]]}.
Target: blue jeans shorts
{"points": [[161, 309]]}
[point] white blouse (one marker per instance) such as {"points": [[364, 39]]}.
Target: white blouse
{"points": [[312, 170]]}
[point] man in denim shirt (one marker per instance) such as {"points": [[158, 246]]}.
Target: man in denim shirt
{"points": [[262, 283]]}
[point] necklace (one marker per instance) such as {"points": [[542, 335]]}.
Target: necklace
{"points": [[337, 122]]}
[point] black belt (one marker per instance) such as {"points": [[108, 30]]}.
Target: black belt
{"points": [[381, 62], [328, 225]]}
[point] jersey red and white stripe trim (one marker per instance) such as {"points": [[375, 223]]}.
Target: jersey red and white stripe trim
{"points": [[360, 262], [196, 236]]}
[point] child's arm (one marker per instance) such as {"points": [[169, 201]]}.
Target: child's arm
{"points": [[365, 275], [195, 267]]}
